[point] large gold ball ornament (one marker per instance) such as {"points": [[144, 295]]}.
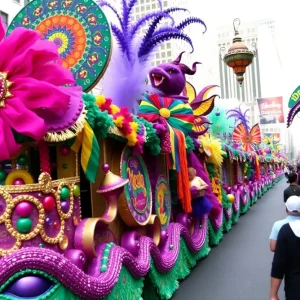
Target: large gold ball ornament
{"points": [[230, 198]]}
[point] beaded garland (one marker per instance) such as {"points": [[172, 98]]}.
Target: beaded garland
{"points": [[46, 188]]}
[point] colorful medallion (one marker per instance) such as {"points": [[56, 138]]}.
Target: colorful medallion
{"points": [[80, 31], [137, 193], [163, 201]]}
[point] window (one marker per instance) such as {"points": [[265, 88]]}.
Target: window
{"points": [[163, 54], [157, 55], [168, 45], [143, 8], [162, 46], [164, 61], [137, 9], [17, 1], [169, 53], [147, 7], [165, 3], [26, 2], [142, 1], [4, 17], [153, 6]]}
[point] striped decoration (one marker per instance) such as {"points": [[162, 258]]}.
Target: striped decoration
{"points": [[178, 115], [180, 119], [90, 152], [248, 140]]}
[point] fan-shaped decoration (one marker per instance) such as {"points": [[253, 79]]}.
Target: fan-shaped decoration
{"points": [[179, 118], [247, 139], [201, 104], [80, 31]]}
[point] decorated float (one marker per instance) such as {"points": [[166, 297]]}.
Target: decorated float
{"points": [[114, 196]]}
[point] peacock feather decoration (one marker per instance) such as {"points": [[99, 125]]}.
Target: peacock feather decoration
{"points": [[125, 80]]}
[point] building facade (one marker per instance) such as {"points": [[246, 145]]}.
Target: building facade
{"points": [[9, 9], [263, 78]]}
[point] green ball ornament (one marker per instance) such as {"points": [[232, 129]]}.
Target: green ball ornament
{"points": [[24, 225], [76, 190], [22, 160], [64, 193], [2, 175]]}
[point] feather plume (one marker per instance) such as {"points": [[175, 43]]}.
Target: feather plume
{"points": [[240, 116], [125, 79]]}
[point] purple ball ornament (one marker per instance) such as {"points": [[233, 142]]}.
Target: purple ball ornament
{"points": [[18, 181], [130, 241], [64, 150], [24, 209], [77, 257], [106, 168], [65, 206], [29, 287], [48, 221]]}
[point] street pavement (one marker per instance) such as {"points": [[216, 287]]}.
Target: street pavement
{"points": [[239, 268]]}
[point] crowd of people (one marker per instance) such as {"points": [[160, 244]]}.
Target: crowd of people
{"points": [[285, 241]]}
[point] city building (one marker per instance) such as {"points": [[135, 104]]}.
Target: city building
{"points": [[170, 50], [9, 9], [263, 78]]}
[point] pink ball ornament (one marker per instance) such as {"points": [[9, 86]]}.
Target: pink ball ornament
{"points": [[48, 203], [106, 168], [64, 150], [24, 209], [18, 181]]}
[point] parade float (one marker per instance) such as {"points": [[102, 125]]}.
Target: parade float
{"points": [[115, 196]]}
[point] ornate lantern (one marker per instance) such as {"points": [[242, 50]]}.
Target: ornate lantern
{"points": [[238, 57]]}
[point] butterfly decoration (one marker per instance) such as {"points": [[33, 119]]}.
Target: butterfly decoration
{"points": [[249, 138], [202, 105], [272, 144]]}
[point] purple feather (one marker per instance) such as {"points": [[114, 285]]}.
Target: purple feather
{"points": [[156, 40], [147, 18], [104, 3], [155, 22], [240, 116], [131, 4], [120, 38], [189, 21]]}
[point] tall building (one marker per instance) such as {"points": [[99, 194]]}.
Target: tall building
{"points": [[263, 78], [9, 9]]}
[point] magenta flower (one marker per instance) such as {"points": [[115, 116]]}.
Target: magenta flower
{"points": [[31, 83]]}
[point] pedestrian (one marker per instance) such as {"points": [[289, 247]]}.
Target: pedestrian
{"points": [[286, 260], [298, 173], [293, 189]]}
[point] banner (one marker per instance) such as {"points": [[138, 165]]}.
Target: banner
{"points": [[295, 97], [270, 110], [274, 136]]}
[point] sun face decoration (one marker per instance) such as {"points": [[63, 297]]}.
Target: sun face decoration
{"points": [[4, 88]]}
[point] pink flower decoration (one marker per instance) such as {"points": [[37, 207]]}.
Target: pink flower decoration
{"points": [[32, 80]]}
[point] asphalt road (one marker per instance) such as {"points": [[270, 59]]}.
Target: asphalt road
{"points": [[239, 268]]}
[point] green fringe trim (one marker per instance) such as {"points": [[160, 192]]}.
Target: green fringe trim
{"points": [[245, 208], [235, 217], [167, 283], [227, 224], [153, 141], [99, 121], [215, 237], [189, 144], [126, 288]]}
